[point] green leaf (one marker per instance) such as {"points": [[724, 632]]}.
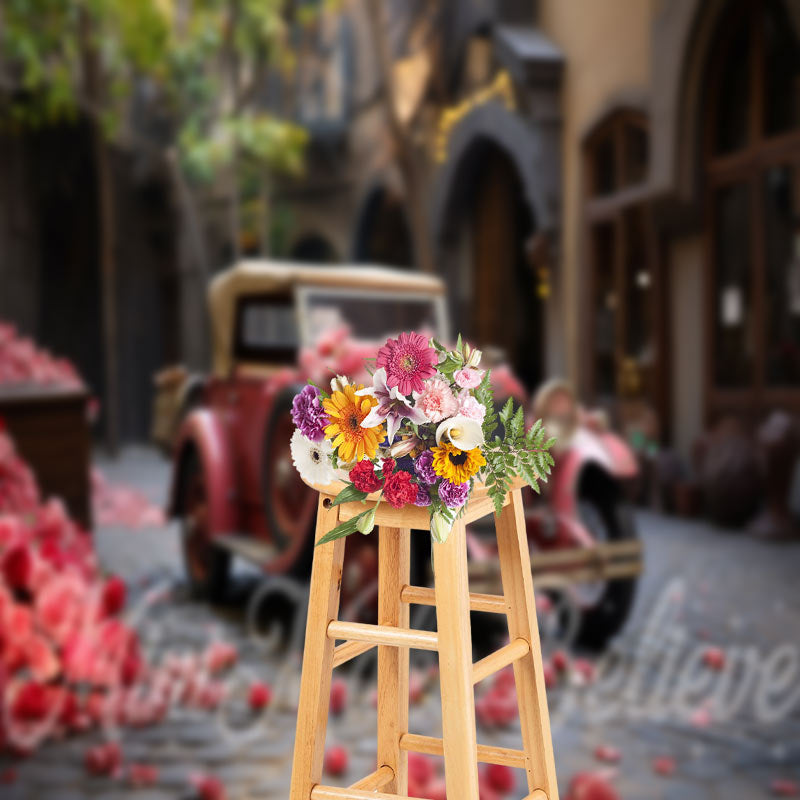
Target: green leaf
{"points": [[518, 423], [344, 529], [348, 495]]}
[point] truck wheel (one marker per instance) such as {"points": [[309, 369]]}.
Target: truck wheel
{"points": [[207, 566], [289, 504], [606, 604]]}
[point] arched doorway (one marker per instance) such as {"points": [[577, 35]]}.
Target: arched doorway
{"points": [[497, 297], [382, 234]]}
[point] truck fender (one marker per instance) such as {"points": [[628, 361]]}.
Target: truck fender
{"points": [[202, 432]]}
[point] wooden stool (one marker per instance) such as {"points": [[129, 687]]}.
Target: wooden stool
{"points": [[392, 636]]}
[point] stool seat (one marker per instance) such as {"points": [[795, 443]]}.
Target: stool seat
{"points": [[394, 638], [478, 506]]}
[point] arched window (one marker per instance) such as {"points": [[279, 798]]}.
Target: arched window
{"points": [[752, 166], [621, 258]]}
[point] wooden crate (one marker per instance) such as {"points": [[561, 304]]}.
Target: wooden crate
{"points": [[50, 429]]}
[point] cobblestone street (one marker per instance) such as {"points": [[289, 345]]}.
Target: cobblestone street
{"points": [[738, 594]]}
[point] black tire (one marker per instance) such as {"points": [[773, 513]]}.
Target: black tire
{"points": [[606, 617], [207, 566], [293, 514]]}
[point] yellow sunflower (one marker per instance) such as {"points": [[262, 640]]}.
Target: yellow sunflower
{"points": [[346, 412], [457, 466]]}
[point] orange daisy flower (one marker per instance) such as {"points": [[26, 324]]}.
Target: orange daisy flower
{"points": [[346, 412]]}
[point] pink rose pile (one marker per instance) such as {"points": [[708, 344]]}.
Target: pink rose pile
{"points": [[21, 361], [59, 625], [68, 661]]}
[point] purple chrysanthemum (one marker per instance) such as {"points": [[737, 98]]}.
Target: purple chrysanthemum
{"points": [[308, 414], [423, 498], [423, 466], [454, 495]]}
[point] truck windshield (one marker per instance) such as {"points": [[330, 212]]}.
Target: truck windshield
{"points": [[370, 316], [266, 329]]}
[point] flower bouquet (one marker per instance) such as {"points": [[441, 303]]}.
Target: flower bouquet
{"points": [[423, 433]]}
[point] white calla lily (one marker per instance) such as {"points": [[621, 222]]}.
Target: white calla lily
{"points": [[338, 383], [462, 432]]}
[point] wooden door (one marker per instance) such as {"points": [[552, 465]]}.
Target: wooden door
{"points": [[506, 311]]}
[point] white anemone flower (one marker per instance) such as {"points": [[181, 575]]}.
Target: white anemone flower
{"points": [[312, 459], [462, 432]]}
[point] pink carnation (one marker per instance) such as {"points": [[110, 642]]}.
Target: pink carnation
{"points": [[437, 401], [468, 378], [470, 407]]}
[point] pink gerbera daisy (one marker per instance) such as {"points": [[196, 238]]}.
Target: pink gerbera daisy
{"points": [[408, 360]]}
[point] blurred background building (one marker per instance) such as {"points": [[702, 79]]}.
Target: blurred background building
{"points": [[611, 191]]}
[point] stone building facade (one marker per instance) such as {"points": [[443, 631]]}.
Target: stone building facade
{"points": [[614, 194]]}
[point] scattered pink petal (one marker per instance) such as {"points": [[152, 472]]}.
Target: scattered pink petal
{"points": [[259, 696], [550, 675], [701, 717], [420, 770], [500, 778], [714, 658], [338, 696], [664, 766], [590, 786], [436, 790], [104, 759], [504, 680], [416, 687], [782, 787], [142, 775], [497, 708], [336, 760], [543, 604], [485, 791], [560, 660], [208, 787], [585, 669], [220, 656], [607, 754]]}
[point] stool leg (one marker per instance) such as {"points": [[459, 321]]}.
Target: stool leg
{"points": [[515, 569], [455, 665], [315, 683], [394, 545]]}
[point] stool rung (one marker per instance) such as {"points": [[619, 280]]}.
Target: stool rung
{"points": [[375, 780], [422, 596], [494, 662], [383, 634], [348, 651], [320, 792], [487, 754], [536, 794]]}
